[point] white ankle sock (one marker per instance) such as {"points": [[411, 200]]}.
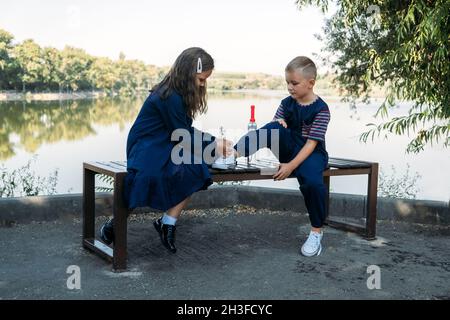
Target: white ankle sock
{"points": [[168, 220]]}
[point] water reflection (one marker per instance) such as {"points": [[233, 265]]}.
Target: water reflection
{"points": [[28, 125], [66, 133]]}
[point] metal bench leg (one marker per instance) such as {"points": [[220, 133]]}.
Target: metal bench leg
{"points": [[88, 205], [371, 211], [326, 181], [120, 226]]}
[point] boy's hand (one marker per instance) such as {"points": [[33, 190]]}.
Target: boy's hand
{"points": [[284, 171], [282, 122]]}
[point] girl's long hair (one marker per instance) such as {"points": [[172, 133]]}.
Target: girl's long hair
{"points": [[182, 79]]}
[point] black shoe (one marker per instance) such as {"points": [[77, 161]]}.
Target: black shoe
{"points": [[166, 234], [107, 232]]}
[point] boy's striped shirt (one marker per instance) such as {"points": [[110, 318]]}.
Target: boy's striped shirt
{"points": [[316, 130]]}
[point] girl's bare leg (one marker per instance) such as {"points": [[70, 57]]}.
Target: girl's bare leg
{"points": [[175, 212]]}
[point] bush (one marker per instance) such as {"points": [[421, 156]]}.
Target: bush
{"points": [[392, 186], [24, 182]]}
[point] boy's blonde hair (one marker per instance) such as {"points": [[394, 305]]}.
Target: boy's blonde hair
{"points": [[304, 65]]}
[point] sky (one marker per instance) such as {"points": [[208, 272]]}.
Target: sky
{"points": [[241, 35]]}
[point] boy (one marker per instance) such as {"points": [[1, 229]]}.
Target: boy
{"points": [[301, 121]]}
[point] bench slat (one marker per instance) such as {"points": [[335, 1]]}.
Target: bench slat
{"points": [[101, 168], [348, 163], [353, 160], [121, 164], [114, 167]]}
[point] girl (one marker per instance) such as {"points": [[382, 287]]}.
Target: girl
{"points": [[154, 178]]}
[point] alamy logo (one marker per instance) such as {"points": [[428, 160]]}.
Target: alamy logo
{"points": [[373, 17], [73, 17], [74, 280], [374, 280]]}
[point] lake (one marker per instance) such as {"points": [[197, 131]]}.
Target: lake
{"points": [[64, 134]]}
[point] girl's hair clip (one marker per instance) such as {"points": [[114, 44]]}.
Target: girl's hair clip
{"points": [[199, 65]]}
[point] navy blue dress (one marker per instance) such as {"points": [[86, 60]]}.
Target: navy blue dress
{"points": [[153, 179]]}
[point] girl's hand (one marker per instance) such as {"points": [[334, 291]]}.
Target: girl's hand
{"points": [[284, 171], [224, 148], [282, 122], [229, 148]]}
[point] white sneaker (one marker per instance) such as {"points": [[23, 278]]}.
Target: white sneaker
{"points": [[312, 245], [224, 163]]}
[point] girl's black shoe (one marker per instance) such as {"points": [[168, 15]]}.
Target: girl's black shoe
{"points": [[166, 234]]}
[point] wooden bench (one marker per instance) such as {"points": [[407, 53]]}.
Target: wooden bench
{"points": [[242, 172]]}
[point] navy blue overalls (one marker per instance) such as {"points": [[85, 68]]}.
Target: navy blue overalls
{"points": [[310, 172]]}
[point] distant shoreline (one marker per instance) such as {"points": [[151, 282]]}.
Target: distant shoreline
{"points": [[50, 96], [11, 96], [79, 95]]}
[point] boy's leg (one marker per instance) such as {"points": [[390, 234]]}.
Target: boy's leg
{"points": [[273, 136], [310, 177]]}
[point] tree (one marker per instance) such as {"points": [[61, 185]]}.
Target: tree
{"points": [[7, 74], [132, 76], [52, 69], [75, 68], [403, 46], [103, 75], [28, 56]]}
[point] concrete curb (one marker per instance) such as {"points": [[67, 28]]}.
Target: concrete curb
{"points": [[350, 205], [47, 208]]}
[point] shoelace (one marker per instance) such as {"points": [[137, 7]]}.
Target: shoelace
{"points": [[313, 239]]}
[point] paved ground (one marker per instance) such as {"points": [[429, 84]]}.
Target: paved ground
{"points": [[234, 253]]}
